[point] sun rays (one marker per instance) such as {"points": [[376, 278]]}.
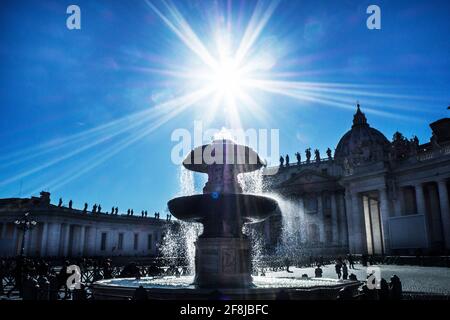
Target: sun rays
{"points": [[228, 70]]}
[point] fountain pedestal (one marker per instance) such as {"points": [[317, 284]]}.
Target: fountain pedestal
{"points": [[223, 263]]}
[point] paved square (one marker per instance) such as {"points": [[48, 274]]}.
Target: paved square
{"points": [[434, 280]]}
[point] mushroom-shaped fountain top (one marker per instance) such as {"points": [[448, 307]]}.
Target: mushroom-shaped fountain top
{"points": [[223, 152]]}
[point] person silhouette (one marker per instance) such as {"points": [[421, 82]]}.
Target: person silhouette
{"points": [[299, 158], [318, 272], [329, 154], [344, 271]]}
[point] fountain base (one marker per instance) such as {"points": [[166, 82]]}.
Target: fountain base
{"points": [[264, 288], [223, 263]]}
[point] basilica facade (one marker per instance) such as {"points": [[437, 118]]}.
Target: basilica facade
{"points": [[374, 196], [62, 231]]}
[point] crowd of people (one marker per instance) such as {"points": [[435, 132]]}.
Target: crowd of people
{"points": [[40, 279]]}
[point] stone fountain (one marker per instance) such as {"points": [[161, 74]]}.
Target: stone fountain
{"points": [[223, 253]]}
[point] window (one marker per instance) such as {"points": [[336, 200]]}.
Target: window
{"points": [[103, 242], [310, 202], [136, 241], [149, 242], [409, 201], [326, 205], [120, 242]]}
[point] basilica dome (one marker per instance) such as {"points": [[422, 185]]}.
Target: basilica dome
{"points": [[362, 143]]}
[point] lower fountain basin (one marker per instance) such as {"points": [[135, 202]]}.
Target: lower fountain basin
{"points": [[223, 214], [182, 288]]}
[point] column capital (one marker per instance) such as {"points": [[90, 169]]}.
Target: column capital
{"points": [[418, 185]]}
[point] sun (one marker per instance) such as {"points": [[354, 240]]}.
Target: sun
{"points": [[227, 78]]}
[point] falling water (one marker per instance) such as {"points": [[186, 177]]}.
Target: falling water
{"points": [[292, 229], [292, 220], [179, 242], [252, 182], [187, 184]]}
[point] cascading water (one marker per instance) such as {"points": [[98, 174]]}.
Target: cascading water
{"points": [[252, 182], [293, 229], [180, 242]]}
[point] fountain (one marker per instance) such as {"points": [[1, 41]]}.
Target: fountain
{"points": [[223, 257], [222, 252]]}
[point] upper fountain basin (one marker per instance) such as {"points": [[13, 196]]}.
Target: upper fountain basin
{"points": [[223, 152]]}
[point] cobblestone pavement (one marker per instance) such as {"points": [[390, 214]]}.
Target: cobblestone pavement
{"points": [[435, 280]]}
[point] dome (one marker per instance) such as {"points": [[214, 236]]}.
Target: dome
{"points": [[362, 143]]}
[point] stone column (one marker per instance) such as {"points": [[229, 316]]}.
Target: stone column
{"points": [[3, 230], [334, 219], [357, 224], [304, 221], [92, 241], [15, 240], [384, 211], [44, 239], [66, 240], [445, 214], [420, 203], [54, 238], [81, 242], [321, 216], [349, 214], [343, 226], [27, 244]]}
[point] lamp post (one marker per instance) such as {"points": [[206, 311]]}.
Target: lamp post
{"points": [[25, 223]]}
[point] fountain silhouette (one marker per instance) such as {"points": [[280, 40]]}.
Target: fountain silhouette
{"points": [[223, 252]]}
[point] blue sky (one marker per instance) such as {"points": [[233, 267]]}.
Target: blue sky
{"points": [[79, 108]]}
